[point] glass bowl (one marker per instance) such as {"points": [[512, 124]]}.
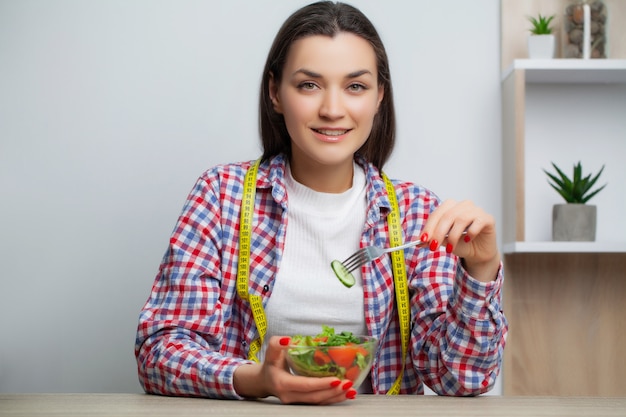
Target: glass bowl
{"points": [[351, 361]]}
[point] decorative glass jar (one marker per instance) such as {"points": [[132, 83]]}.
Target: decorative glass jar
{"points": [[585, 29]]}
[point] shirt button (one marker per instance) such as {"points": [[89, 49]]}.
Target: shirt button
{"points": [[266, 288]]}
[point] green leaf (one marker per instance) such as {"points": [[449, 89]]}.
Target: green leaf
{"points": [[541, 26], [589, 196], [593, 181], [578, 188]]}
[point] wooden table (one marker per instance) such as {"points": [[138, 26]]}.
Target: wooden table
{"points": [[85, 405]]}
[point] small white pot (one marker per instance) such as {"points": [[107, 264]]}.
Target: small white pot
{"points": [[541, 46]]}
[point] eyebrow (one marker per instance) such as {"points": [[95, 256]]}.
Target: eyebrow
{"points": [[313, 74]]}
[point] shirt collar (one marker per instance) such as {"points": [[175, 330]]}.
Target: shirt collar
{"points": [[271, 175]]}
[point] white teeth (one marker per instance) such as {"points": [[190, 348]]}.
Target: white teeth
{"points": [[332, 132]]}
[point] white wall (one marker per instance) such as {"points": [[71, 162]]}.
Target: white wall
{"points": [[109, 110]]}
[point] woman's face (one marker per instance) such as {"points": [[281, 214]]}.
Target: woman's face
{"points": [[328, 95]]}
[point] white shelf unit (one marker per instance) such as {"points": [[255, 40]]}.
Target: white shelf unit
{"points": [[570, 71], [565, 247], [537, 96]]}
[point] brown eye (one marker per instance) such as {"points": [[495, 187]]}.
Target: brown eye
{"points": [[307, 85], [355, 88]]}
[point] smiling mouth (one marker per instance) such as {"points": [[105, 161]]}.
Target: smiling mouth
{"points": [[327, 132]]}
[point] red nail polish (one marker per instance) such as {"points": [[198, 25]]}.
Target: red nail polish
{"points": [[284, 341], [449, 248], [351, 395], [424, 237], [347, 385], [434, 244], [335, 383], [466, 238]]}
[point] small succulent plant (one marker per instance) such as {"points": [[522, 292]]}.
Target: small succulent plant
{"points": [[541, 24], [577, 189]]}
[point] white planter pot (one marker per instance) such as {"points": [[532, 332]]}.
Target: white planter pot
{"points": [[574, 222], [541, 46]]}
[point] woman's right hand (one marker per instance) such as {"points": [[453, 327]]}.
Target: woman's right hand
{"points": [[272, 378]]}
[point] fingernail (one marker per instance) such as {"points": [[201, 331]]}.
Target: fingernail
{"points": [[424, 237], [466, 238], [284, 341], [434, 244], [335, 383], [351, 395], [449, 248], [347, 385]]}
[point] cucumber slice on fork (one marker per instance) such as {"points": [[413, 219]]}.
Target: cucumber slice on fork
{"points": [[345, 277]]}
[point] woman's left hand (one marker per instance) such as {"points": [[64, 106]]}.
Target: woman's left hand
{"points": [[478, 247]]}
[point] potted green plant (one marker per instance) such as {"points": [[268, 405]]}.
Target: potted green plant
{"points": [[541, 42], [575, 220]]}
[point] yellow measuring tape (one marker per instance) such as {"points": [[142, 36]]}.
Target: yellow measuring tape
{"points": [[243, 269], [399, 278]]}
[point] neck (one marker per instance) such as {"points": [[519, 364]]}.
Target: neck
{"points": [[323, 178]]}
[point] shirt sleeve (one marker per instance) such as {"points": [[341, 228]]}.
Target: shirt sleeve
{"points": [[460, 329], [181, 327]]}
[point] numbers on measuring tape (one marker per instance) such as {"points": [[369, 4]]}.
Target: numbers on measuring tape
{"points": [[243, 268], [399, 278]]}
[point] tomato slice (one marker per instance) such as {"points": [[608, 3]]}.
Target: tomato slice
{"points": [[321, 358], [343, 355], [353, 373]]}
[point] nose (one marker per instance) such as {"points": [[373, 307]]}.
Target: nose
{"points": [[332, 105]]}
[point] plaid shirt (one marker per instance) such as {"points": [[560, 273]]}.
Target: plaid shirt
{"points": [[194, 330]]}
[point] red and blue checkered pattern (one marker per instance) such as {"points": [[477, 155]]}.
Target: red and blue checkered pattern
{"points": [[194, 330]]}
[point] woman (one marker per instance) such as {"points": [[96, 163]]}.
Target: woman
{"points": [[327, 128]]}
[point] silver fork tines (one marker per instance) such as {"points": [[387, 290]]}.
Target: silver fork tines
{"points": [[369, 253], [360, 257]]}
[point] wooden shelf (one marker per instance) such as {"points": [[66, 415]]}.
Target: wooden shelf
{"points": [[570, 71], [564, 247], [566, 324]]}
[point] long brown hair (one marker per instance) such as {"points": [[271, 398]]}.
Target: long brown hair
{"points": [[329, 19]]}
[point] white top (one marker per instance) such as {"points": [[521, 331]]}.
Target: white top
{"points": [[306, 294]]}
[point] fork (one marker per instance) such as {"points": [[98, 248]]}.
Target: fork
{"points": [[369, 253]]}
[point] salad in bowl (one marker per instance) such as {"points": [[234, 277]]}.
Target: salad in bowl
{"points": [[344, 355]]}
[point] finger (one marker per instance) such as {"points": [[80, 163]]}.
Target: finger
{"points": [[448, 223], [453, 221], [463, 216], [433, 226], [349, 394], [275, 349], [344, 391], [325, 395]]}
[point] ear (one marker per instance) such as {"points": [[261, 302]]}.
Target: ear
{"points": [[381, 94], [273, 91]]}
